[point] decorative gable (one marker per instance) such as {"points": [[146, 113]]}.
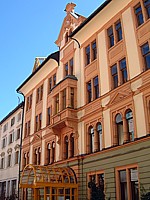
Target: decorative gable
{"points": [[71, 21], [37, 137], [38, 62]]}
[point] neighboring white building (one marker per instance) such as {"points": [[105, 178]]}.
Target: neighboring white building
{"points": [[10, 134]]}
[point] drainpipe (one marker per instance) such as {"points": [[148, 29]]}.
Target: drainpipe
{"points": [[21, 141]]}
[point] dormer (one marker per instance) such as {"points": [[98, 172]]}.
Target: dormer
{"points": [[70, 23]]}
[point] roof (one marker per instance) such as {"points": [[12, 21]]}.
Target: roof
{"points": [[12, 112], [54, 56], [101, 7]]}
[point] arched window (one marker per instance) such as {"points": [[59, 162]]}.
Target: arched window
{"points": [[66, 147], [119, 126], [99, 136], [48, 153], [53, 152], [130, 124], [71, 145], [91, 139]]}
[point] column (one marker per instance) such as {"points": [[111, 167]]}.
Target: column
{"points": [[61, 101], [115, 134], [125, 129], [96, 138], [68, 103]]}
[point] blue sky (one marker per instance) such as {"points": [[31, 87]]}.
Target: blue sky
{"points": [[29, 29]]}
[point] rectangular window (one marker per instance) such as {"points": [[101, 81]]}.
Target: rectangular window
{"points": [[57, 103], [96, 186], [71, 66], [18, 134], [114, 75], [39, 94], [89, 92], [36, 123], [16, 157], [50, 84], [118, 31], [40, 121], [66, 69], [9, 161], [139, 14], [48, 116], [26, 130], [14, 186], [19, 117], [147, 7], [94, 51], [87, 54], [110, 36], [4, 143], [96, 87], [54, 80], [72, 97], [12, 121], [123, 69], [146, 55], [5, 127], [127, 180], [64, 98], [28, 127], [2, 163], [29, 102], [10, 138]]}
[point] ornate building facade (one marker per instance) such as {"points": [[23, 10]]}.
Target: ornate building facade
{"points": [[87, 106], [10, 134]]}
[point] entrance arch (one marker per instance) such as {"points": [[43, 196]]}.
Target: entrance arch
{"points": [[48, 183]]}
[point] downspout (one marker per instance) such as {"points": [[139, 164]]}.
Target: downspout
{"points": [[21, 141]]}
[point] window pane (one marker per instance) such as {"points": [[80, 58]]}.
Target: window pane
{"points": [[110, 36], [119, 31], [89, 91], [147, 6], [134, 183], [123, 185], [114, 76], [123, 69], [139, 15], [145, 49], [87, 51]]}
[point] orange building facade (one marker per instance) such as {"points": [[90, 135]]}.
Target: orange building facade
{"points": [[87, 106]]}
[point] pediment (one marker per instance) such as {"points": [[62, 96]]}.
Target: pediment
{"points": [[118, 97], [37, 137]]}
